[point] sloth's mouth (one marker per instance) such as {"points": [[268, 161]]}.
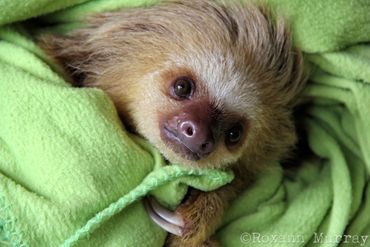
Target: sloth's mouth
{"points": [[172, 140]]}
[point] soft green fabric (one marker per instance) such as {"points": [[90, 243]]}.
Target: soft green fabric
{"points": [[326, 202], [326, 25], [69, 172], [323, 201], [12, 11]]}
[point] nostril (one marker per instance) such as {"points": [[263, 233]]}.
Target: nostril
{"points": [[206, 147], [189, 131], [196, 137]]}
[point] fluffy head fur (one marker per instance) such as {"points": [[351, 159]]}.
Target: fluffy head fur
{"points": [[239, 56]]}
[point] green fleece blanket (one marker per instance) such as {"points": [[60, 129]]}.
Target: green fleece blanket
{"points": [[70, 173]]}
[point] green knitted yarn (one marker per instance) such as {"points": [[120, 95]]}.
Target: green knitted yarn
{"points": [[154, 180], [8, 232]]}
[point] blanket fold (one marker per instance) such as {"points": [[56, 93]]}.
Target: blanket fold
{"points": [[70, 174]]}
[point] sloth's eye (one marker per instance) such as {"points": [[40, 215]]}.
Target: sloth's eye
{"points": [[234, 134], [183, 87]]}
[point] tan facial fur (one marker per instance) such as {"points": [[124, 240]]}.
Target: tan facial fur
{"points": [[240, 58]]}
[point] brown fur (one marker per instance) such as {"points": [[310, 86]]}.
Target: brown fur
{"points": [[242, 60]]}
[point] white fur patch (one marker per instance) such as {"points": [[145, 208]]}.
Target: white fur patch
{"points": [[227, 87]]}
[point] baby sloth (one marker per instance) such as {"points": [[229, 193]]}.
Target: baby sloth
{"points": [[209, 84]]}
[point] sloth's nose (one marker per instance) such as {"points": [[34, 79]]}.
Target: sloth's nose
{"points": [[196, 136]]}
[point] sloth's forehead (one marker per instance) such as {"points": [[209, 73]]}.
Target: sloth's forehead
{"points": [[228, 86]]}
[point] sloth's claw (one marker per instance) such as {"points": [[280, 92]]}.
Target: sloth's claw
{"points": [[168, 220]]}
